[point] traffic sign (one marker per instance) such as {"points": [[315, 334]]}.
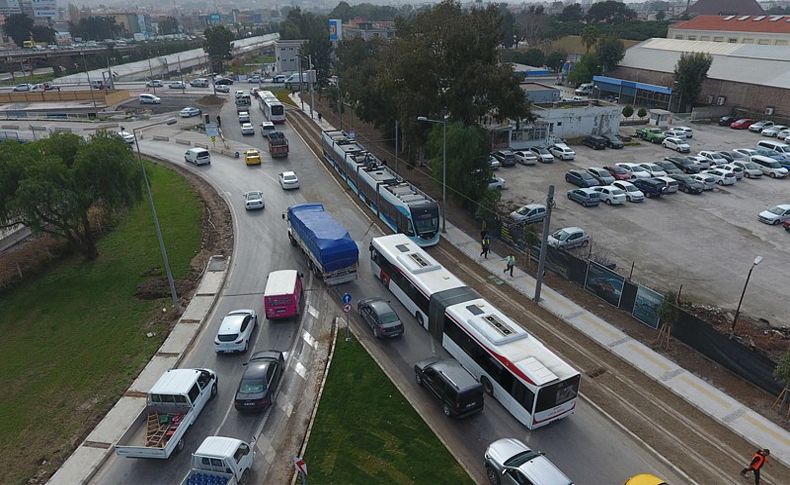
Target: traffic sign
{"points": [[213, 140], [346, 308], [300, 465], [346, 298], [212, 129]]}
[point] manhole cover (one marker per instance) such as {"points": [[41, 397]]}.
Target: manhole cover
{"points": [[217, 263]]}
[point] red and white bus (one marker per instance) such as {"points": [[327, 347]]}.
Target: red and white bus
{"points": [[272, 108], [535, 385]]}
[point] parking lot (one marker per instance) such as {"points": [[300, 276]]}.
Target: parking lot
{"points": [[706, 242]]}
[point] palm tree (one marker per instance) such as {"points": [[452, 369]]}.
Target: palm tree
{"points": [[590, 37]]}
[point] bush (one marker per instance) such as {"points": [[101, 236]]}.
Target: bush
{"points": [[641, 113], [628, 111]]}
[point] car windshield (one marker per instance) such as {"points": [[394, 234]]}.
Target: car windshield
{"points": [[391, 317], [777, 210], [516, 461], [752, 166], [542, 151], [773, 164], [561, 235], [252, 386], [619, 170], [617, 192]]}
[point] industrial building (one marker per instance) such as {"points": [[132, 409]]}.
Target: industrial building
{"points": [[286, 53], [734, 29]]}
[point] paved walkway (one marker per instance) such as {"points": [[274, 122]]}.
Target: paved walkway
{"points": [[743, 421]]}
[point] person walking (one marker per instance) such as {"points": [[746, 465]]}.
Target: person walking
{"points": [[319, 116], [758, 460], [486, 245], [510, 263]]}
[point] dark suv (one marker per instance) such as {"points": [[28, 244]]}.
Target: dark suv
{"points": [[613, 141], [650, 187], [459, 392], [595, 142], [506, 157]]}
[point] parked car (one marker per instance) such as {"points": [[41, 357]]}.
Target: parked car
{"points": [[189, 112], [199, 83], [585, 196], [775, 149], [706, 180], [653, 135], [727, 120], [496, 183], [223, 81], [580, 178], [23, 87], [714, 157], [670, 185], [506, 158], [775, 215], [786, 225], [784, 134], [177, 85], [493, 163], [146, 98], [601, 175], [258, 384], [635, 169], [722, 177], [650, 187], [773, 131], [244, 117], [668, 167], [632, 193], [510, 461], [701, 161], [732, 156], [529, 213], [750, 169], [689, 133], [760, 126], [611, 195], [688, 184], [155, 83], [562, 151], [222, 88], [380, 317], [568, 238], [288, 180], [235, 331], [543, 154], [742, 124], [595, 142], [675, 132], [653, 169], [736, 170], [613, 141], [460, 394], [126, 136], [253, 200], [685, 164], [677, 144], [247, 129], [619, 173], [525, 157], [769, 166]]}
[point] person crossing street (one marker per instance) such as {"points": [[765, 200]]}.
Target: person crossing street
{"points": [[758, 461], [510, 263]]}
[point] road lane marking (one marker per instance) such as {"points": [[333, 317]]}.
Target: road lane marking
{"points": [[312, 311], [309, 339], [300, 369]]}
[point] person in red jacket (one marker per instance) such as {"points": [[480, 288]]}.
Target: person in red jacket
{"points": [[758, 460]]}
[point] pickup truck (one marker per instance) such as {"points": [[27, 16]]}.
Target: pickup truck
{"points": [[653, 135], [220, 460], [278, 144], [331, 253], [173, 404]]}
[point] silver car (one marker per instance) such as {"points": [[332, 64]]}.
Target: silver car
{"points": [[569, 237], [509, 461], [529, 213]]}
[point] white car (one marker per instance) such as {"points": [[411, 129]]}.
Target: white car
{"points": [[611, 195], [760, 126], [288, 180], [776, 215], [784, 134], [529, 213], [636, 171], [146, 98], [721, 177], [253, 200], [685, 129], [707, 181], [632, 194], [714, 157], [23, 87], [235, 331], [247, 129], [676, 132], [126, 136], [493, 163], [189, 112], [701, 161], [244, 117], [496, 183], [526, 157], [266, 128], [177, 85], [769, 166], [750, 169], [568, 237], [653, 169], [544, 156], [736, 170], [222, 88], [562, 151], [155, 83], [677, 144], [773, 131]]}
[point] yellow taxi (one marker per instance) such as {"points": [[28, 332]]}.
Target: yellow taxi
{"points": [[645, 479], [252, 157]]}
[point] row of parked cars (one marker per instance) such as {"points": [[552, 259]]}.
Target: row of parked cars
{"points": [[765, 127], [547, 154]]}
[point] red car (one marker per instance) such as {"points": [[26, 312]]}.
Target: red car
{"points": [[618, 173], [786, 225], [742, 124]]}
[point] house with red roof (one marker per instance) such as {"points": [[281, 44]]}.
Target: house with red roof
{"points": [[734, 29]]}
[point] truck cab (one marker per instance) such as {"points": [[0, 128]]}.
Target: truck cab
{"points": [[221, 460]]}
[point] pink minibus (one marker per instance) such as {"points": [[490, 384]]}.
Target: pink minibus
{"points": [[283, 294]]}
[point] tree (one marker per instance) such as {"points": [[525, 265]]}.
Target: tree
{"points": [[572, 13], [610, 51], [589, 37], [507, 27], [782, 373], [690, 71], [18, 26], [628, 111], [583, 71], [96, 28], [641, 113], [218, 45], [555, 60], [661, 15], [42, 33], [467, 160], [54, 185], [168, 25], [611, 12], [533, 22]]}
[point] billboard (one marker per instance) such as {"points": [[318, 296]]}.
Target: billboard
{"points": [[45, 9], [605, 283], [214, 19], [646, 306], [335, 30]]}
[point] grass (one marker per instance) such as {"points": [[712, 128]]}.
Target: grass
{"points": [[34, 79], [282, 95], [75, 337], [366, 431]]}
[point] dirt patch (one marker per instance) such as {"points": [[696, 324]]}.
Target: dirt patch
{"points": [[210, 100]]}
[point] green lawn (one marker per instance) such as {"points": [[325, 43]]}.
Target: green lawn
{"points": [[367, 432], [282, 95], [74, 337]]}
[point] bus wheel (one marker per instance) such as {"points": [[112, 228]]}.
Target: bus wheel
{"points": [[487, 387]]}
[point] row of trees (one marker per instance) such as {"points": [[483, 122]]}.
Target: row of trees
{"points": [[607, 52], [20, 28], [96, 28]]}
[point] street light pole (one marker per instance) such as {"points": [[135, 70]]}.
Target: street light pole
{"points": [[162, 249], [544, 242], [757, 260], [443, 121], [90, 88]]}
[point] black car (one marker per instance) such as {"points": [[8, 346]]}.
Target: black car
{"points": [[459, 392], [650, 187], [688, 185], [224, 82], [506, 157], [684, 164], [580, 178], [259, 381], [594, 142], [613, 141], [726, 120], [668, 167], [380, 317]]}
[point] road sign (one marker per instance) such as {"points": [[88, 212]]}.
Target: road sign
{"points": [[300, 465], [346, 308], [346, 298], [212, 129], [213, 140]]}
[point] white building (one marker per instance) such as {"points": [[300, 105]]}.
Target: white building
{"points": [[286, 53], [734, 29]]}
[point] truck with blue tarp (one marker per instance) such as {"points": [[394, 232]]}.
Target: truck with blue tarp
{"points": [[331, 252]]}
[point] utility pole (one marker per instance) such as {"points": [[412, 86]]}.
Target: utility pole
{"points": [[151, 75], [544, 240], [181, 73], [396, 145], [310, 75], [109, 73], [340, 103], [88, 74], [301, 89]]}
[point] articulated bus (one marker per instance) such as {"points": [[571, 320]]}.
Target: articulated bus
{"points": [[272, 108], [401, 205], [530, 381]]}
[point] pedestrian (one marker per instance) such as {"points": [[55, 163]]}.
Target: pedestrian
{"points": [[510, 263], [319, 116], [486, 245], [758, 460], [219, 121], [483, 234]]}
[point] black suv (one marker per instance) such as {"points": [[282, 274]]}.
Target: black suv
{"points": [[684, 164], [688, 184], [613, 141], [506, 157], [595, 142], [650, 187], [727, 120], [459, 392]]}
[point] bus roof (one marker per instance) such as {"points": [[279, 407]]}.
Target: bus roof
{"points": [[522, 353], [413, 260], [280, 282]]}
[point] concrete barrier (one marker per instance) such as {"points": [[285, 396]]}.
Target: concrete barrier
{"points": [[59, 129], [183, 142], [202, 145], [38, 128], [107, 126], [10, 127], [161, 138]]}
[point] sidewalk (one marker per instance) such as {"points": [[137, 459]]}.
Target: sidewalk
{"points": [[740, 419]]}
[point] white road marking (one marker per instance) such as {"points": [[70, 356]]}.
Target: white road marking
{"points": [[300, 369], [312, 311], [309, 339]]}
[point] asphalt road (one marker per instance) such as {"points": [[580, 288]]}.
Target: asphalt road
{"points": [[587, 446]]}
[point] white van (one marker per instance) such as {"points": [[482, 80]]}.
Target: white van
{"points": [[149, 99], [198, 156], [584, 89], [775, 146]]}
